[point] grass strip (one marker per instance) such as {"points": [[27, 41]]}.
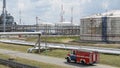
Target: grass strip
{"points": [[29, 62], [113, 60]]}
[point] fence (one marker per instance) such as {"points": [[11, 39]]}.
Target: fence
{"points": [[45, 29]]}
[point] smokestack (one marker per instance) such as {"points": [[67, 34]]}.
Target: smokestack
{"points": [[4, 3], [4, 6], [4, 15]]}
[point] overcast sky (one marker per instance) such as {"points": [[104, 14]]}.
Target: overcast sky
{"points": [[49, 10]]}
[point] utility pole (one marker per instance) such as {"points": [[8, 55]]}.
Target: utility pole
{"points": [[39, 42], [36, 23], [46, 33], [20, 20]]}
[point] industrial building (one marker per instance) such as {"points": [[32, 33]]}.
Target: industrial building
{"points": [[64, 28], [6, 20], [104, 27], [67, 28]]}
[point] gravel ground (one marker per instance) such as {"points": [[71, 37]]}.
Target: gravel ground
{"points": [[51, 60]]}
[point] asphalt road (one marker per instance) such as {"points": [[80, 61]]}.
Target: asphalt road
{"points": [[51, 60]]}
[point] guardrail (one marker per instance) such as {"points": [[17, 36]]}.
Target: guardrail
{"points": [[14, 64]]}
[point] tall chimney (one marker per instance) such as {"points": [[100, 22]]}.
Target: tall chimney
{"points": [[4, 3], [4, 15], [4, 6]]}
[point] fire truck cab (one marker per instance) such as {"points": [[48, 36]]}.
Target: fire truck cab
{"points": [[83, 56]]}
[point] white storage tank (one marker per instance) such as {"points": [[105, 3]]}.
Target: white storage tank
{"points": [[103, 27]]}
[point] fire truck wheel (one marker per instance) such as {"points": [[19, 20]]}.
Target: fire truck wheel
{"points": [[75, 61], [68, 60], [91, 64], [82, 62]]}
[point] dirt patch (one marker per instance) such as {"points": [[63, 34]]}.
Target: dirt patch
{"points": [[67, 40]]}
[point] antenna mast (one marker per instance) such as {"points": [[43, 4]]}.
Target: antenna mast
{"points": [[20, 20], [62, 14], [71, 15]]}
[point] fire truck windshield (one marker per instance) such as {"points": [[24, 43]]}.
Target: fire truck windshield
{"points": [[73, 52]]}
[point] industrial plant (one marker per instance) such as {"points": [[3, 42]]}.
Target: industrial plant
{"points": [[103, 27], [6, 20], [98, 27], [48, 43], [7, 24]]}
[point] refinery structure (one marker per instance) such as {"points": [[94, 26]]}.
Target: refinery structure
{"points": [[7, 24], [6, 20], [64, 28], [52, 41], [103, 27]]}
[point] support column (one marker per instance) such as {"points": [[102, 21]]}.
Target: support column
{"points": [[39, 42]]}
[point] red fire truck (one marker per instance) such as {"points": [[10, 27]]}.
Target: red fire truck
{"points": [[83, 56]]}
